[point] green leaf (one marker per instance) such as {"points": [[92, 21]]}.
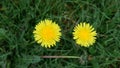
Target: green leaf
{"points": [[2, 33], [95, 63], [3, 59], [26, 60], [31, 59], [92, 50]]}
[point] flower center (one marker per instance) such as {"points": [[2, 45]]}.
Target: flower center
{"points": [[48, 33], [84, 35]]}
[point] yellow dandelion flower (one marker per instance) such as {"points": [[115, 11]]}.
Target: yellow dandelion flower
{"points": [[84, 34], [47, 33]]}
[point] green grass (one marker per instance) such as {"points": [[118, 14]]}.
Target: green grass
{"points": [[19, 17]]}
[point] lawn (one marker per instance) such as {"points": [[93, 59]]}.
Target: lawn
{"points": [[18, 19]]}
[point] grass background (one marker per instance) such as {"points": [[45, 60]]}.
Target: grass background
{"points": [[19, 17]]}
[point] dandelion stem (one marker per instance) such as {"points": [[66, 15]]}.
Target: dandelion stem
{"points": [[75, 57]]}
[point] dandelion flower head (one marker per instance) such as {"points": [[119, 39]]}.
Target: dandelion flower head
{"points": [[47, 33], [84, 34]]}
